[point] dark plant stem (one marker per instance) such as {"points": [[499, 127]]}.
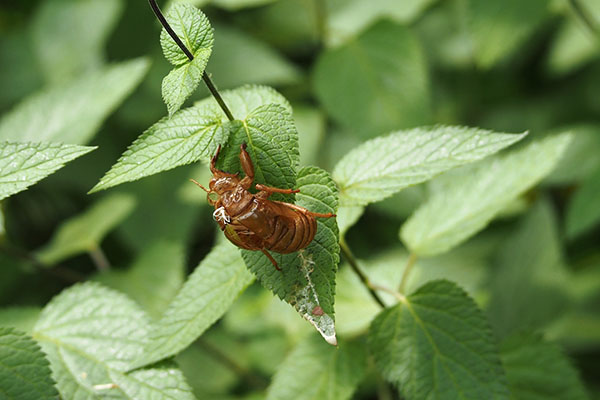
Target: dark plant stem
{"points": [[321, 18], [255, 381], [364, 279], [207, 81], [587, 19]]}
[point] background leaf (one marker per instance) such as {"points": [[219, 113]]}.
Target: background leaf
{"points": [[437, 344], [193, 28], [76, 44], [84, 232], [539, 370], [466, 200], [315, 370], [23, 164], [73, 112], [385, 165], [347, 18], [19, 317], [386, 89], [203, 299], [159, 271], [583, 212], [527, 283], [498, 28], [307, 278], [24, 371]]}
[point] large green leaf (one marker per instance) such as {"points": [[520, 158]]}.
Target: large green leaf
{"points": [[465, 201], [385, 165], [84, 232], [583, 212], [539, 370], [23, 164], [73, 112], [91, 336], [316, 371], [307, 277], [497, 28], [190, 135], [158, 270], [195, 32], [272, 141], [24, 371], [203, 299], [436, 344], [376, 82], [76, 44]]}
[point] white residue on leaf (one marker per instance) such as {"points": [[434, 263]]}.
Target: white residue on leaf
{"points": [[307, 302]]}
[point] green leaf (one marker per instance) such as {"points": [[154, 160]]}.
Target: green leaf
{"points": [[74, 111], [190, 135], [234, 5], [91, 336], [243, 100], [160, 382], [19, 317], [76, 44], [84, 232], [307, 277], [181, 82], [311, 125], [385, 165], [572, 46], [527, 283], [376, 82], [583, 212], [346, 18], [436, 344], [539, 370], [23, 164], [192, 27], [466, 200], [315, 370], [24, 371], [158, 270], [347, 216], [272, 141], [194, 30], [229, 64], [204, 298], [579, 160], [497, 28]]}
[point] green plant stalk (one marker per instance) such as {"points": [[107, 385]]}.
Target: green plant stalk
{"points": [[207, 81], [99, 259], [412, 258], [363, 278]]}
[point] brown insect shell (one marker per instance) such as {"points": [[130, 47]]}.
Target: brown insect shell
{"points": [[233, 197]]}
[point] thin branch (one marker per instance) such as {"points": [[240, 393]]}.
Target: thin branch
{"points": [[364, 279], [587, 19], [211, 87], [409, 265]]}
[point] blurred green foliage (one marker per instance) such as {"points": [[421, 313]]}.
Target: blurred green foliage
{"points": [[89, 72]]}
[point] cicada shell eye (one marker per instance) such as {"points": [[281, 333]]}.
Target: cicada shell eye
{"points": [[212, 198]]}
